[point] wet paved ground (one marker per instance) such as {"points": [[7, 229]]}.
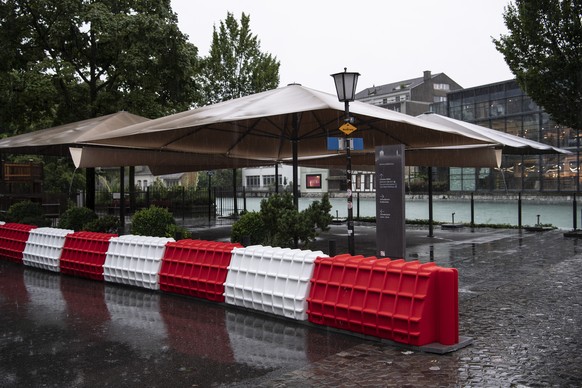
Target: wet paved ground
{"points": [[520, 301]]}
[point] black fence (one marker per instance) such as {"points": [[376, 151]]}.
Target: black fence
{"points": [[180, 201]]}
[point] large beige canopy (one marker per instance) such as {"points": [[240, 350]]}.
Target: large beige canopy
{"points": [[266, 127], [511, 144], [57, 140]]}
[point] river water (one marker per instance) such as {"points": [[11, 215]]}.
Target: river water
{"points": [[556, 213]]}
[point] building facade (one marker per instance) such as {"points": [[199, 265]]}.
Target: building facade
{"points": [[413, 96], [505, 107]]}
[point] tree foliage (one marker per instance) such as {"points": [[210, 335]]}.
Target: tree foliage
{"points": [[544, 51], [219, 178], [68, 60], [235, 66]]}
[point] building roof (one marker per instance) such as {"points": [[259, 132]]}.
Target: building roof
{"points": [[393, 87]]}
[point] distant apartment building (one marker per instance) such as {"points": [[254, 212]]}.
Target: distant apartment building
{"points": [[413, 96]]}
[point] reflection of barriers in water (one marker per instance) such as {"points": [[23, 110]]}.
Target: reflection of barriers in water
{"points": [[266, 343], [46, 303], [85, 302], [135, 318], [189, 323], [13, 291]]}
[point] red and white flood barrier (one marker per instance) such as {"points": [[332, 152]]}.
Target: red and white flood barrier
{"points": [[408, 302]]}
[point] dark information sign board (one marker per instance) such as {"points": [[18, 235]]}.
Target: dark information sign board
{"points": [[390, 221]]}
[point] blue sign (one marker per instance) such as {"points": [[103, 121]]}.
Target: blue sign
{"points": [[339, 143]]}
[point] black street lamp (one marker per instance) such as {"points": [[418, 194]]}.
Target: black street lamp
{"points": [[345, 85]]}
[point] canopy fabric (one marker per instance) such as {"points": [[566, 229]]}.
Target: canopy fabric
{"points": [[164, 162], [459, 156], [511, 144], [265, 126], [56, 140]]}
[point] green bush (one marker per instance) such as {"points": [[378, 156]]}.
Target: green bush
{"points": [[282, 225], [249, 224], [27, 212], [105, 224], [177, 232], [76, 218], [154, 221]]}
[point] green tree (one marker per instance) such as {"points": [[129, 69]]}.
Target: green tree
{"points": [[220, 178], [235, 66], [61, 177], [544, 51], [68, 60]]}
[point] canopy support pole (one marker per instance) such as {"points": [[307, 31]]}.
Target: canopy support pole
{"points": [[294, 141], [122, 199], [234, 196], [430, 216]]}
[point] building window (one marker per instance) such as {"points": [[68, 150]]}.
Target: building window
{"points": [[268, 180], [254, 181], [441, 86], [313, 181]]}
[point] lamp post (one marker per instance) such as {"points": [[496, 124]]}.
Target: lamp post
{"points": [[345, 85]]}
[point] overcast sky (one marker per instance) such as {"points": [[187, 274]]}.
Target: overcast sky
{"points": [[384, 40]]}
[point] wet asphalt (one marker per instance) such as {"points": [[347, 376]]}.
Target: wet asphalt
{"points": [[520, 300]]}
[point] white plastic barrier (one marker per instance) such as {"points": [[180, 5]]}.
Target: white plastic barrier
{"points": [[135, 260], [273, 280], [2, 222], [44, 247]]}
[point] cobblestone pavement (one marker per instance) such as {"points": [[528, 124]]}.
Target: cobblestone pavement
{"points": [[520, 301]]}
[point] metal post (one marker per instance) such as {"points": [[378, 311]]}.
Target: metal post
{"points": [[244, 193], [122, 199], [519, 211], [358, 205], [430, 219], [209, 196], [351, 242], [131, 189], [294, 141], [472, 211], [332, 248], [234, 192], [183, 205], [277, 178], [574, 213]]}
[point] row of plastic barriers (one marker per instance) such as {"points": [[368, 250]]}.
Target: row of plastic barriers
{"points": [[406, 302]]}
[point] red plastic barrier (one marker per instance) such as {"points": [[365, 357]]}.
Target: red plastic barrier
{"points": [[197, 268], [407, 302], [84, 254], [13, 238]]}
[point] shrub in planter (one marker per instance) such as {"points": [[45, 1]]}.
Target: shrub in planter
{"points": [[177, 232], [154, 221], [105, 224], [27, 212], [249, 224], [76, 218]]}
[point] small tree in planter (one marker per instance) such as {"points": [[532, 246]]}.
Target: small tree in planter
{"points": [[158, 222]]}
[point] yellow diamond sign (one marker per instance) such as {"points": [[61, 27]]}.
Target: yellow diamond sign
{"points": [[347, 128]]}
